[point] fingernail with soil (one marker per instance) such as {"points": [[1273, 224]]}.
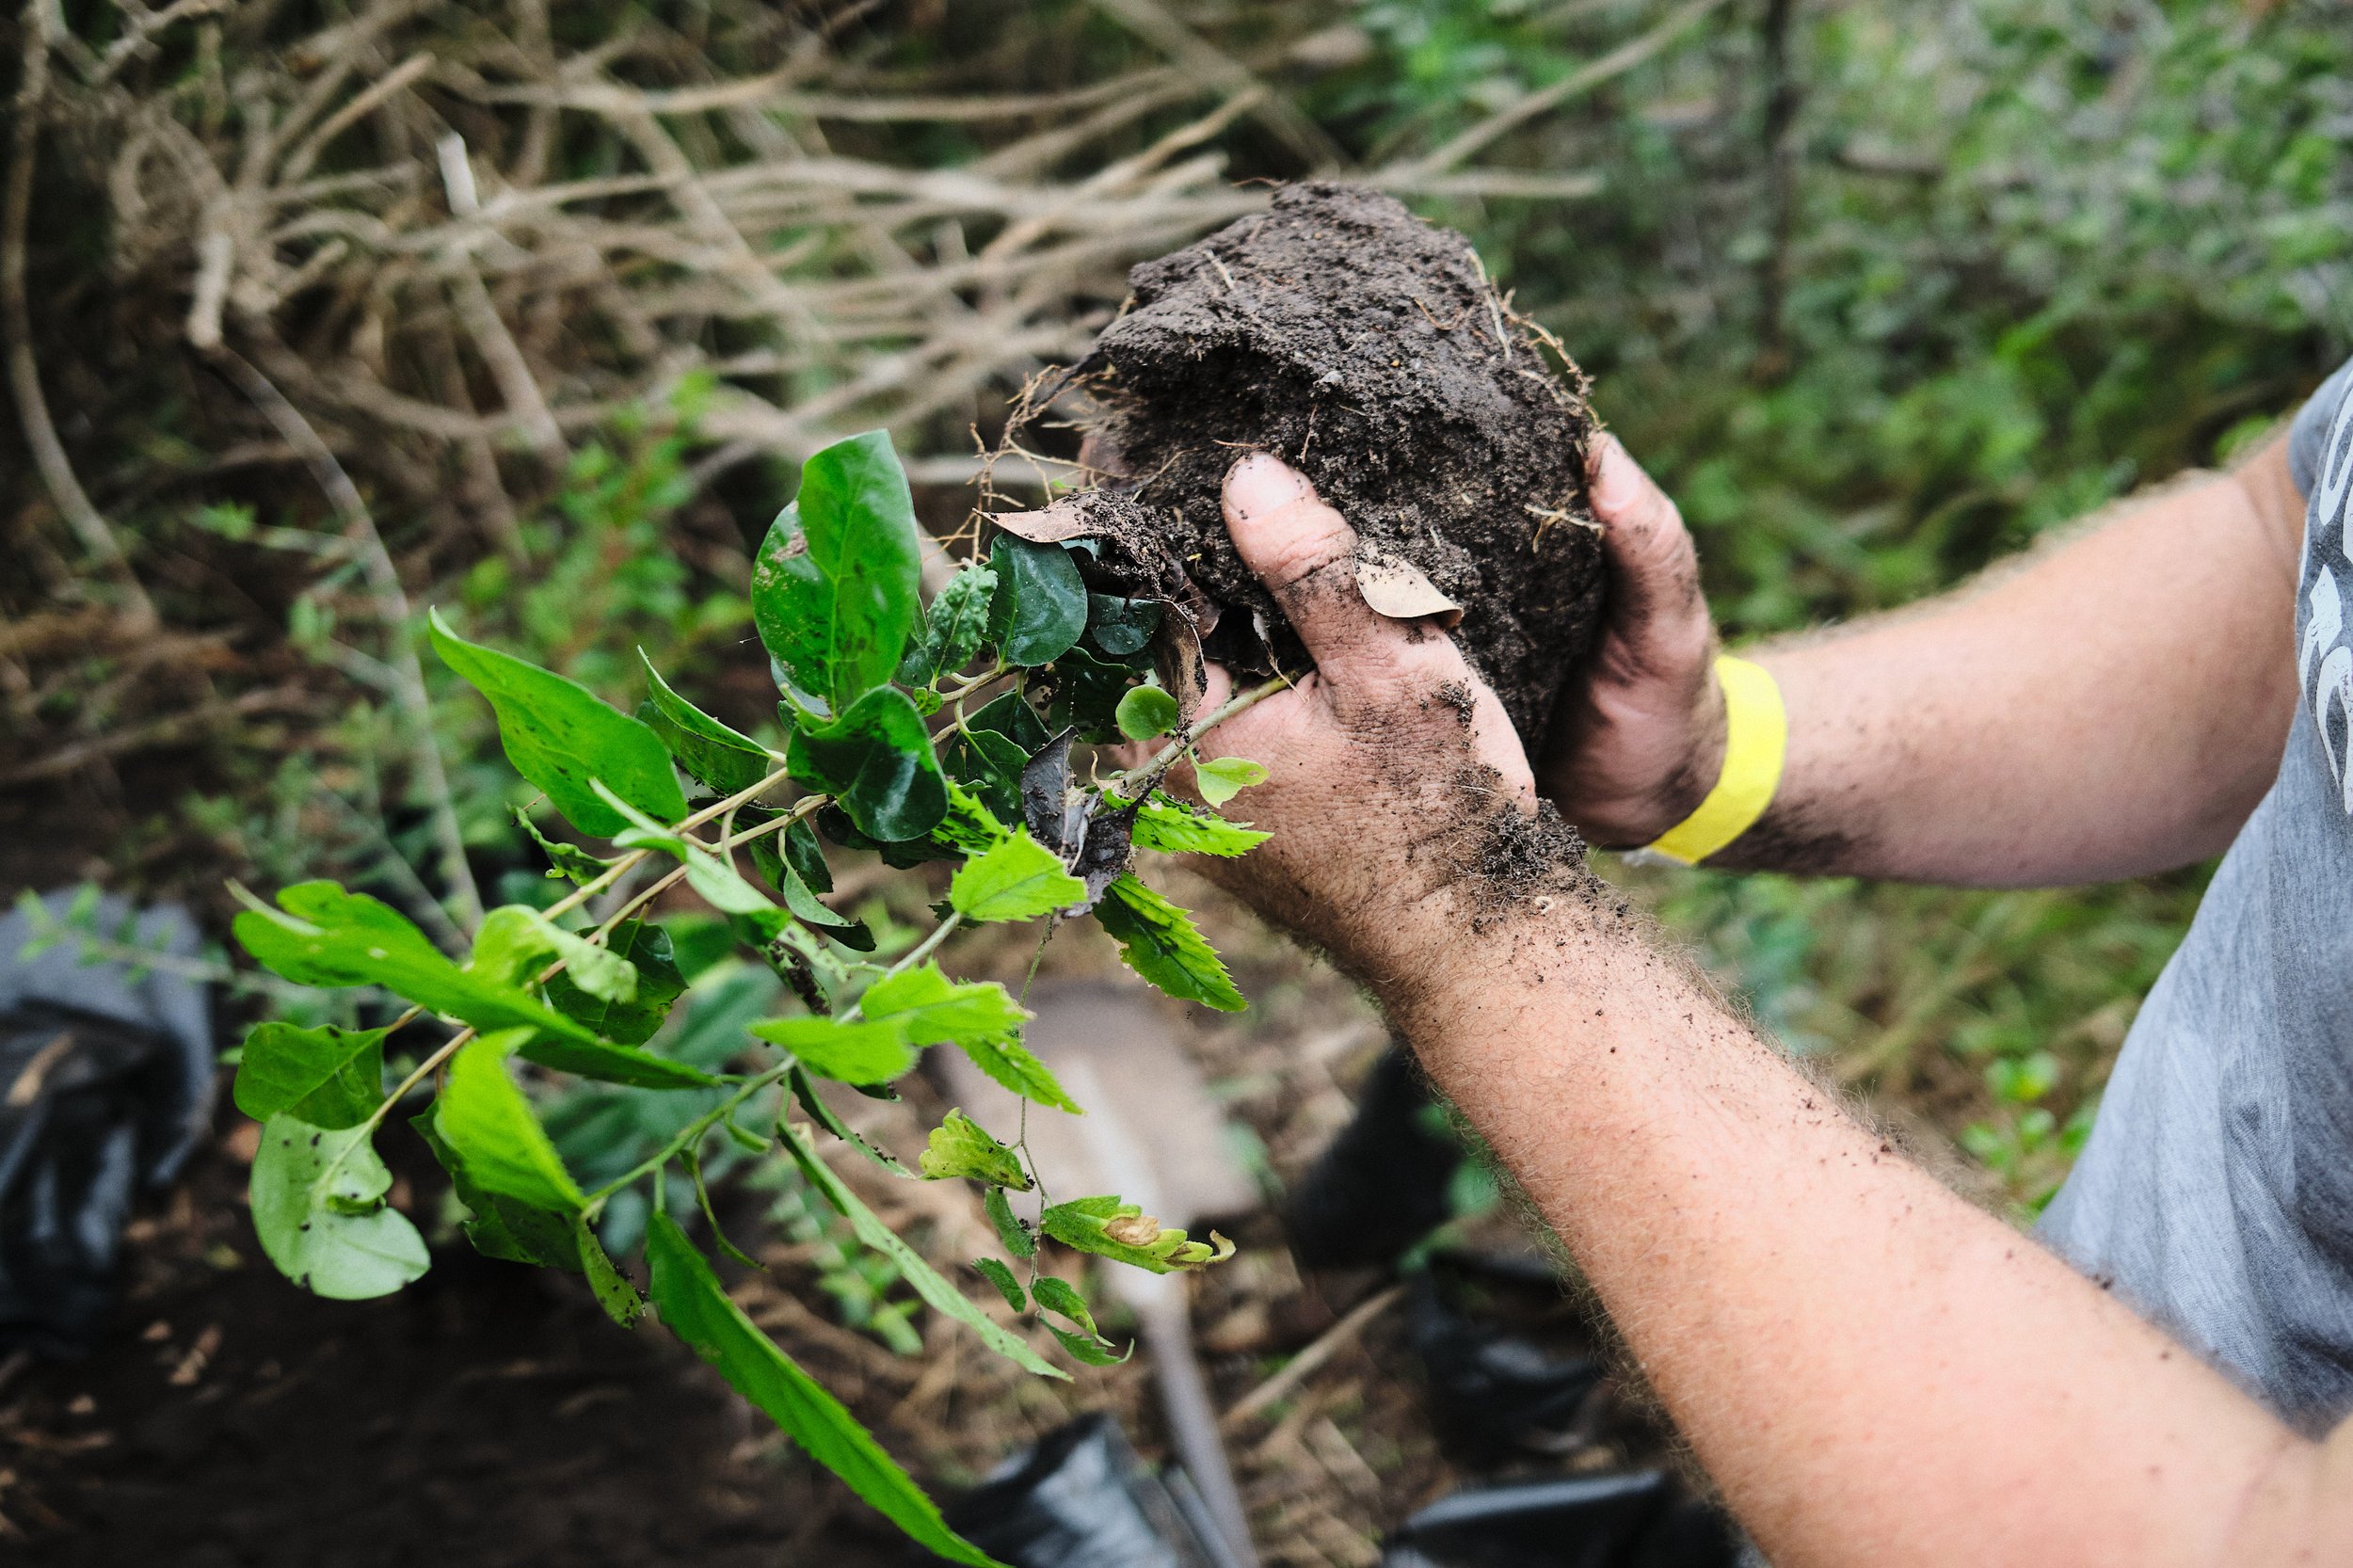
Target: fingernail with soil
{"points": [[1261, 483], [1615, 480]]}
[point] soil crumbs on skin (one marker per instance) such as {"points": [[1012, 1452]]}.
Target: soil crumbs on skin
{"points": [[1368, 349]]}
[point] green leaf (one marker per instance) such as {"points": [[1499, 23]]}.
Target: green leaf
{"points": [[953, 627], [1121, 626], [1040, 606], [960, 1147], [501, 1227], [862, 1051], [560, 735], [1055, 1295], [569, 861], [722, 757], [1114, 1228], [876, 761], [696, 1309], [612, 1289], [330, 1078], [1173, 827], [1002, 1277], [516, 941], [1018, 880], [822, 1114], [1160, 943], [1092, 1353], [328, 936], [1017, 1237], [926, 1281], [1146, 711], [932, 1010], [485, 1118], [1221, 779], [660, 983], [1012, 1064], [806, 856], [837, 586], [968, 823], [1084, 693], [319, 1211]]}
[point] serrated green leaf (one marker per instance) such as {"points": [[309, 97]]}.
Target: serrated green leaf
{"points": [[660, 983], [722, 757], [1114, 1228], [1017, 1237], [486, 1120], [560, 735], [932, 1010], [330, 937], [695, 1308], [612, 1289], [953, 627], [1172, 826], [865, 1050], [1002, 1277], [516, 942], [1018, 880], [926, 1281], [330, 1078], [319, 1212], [961, 1150], [1012, 1064], [876, 761], [836, 588], [1040, 605], [1085, 1350], [968, 824], [1145, 712], [1160, 943], [1221, 779], [1056, 1295]]}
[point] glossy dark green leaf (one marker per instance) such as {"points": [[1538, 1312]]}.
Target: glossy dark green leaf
{"points": [[1160, 943], [660, 983], [319, 1212], [989, 766], [878, 764], [1120, 627], [327, 936], [806, 856], [330, 1078], [1012, 717], [695, 1308], [719, 754], [1083, 693], [836, 588], [926, 1281], [1017, 1237], [1040, 606], [560, 735]]}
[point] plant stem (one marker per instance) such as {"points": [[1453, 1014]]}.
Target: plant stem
{"points": [[692, 1134], [614, 873]]}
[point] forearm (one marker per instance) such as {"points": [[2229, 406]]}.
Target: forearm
{"points": [[1874, 1372], [2110, 707]]}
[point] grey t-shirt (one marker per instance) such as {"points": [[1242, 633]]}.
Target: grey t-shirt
{"points": [[2217, 1191]]}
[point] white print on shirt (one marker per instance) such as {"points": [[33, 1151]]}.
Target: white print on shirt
{"points": [[2324, 664]]}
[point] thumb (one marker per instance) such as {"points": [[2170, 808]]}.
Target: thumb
{"points": [[1658, 614], [1306, 555]]}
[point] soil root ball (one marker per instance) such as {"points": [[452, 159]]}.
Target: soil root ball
{"points": [[1368, 349]]}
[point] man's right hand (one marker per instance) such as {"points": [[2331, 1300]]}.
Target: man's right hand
{"points": [[1637, 743]]}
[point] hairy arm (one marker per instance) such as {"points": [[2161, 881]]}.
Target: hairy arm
{"points": [[2107, 706], [1876, 1372]]}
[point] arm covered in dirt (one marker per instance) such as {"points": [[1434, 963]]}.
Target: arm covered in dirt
{"points": [[2109, 705], [1874, 1371]]}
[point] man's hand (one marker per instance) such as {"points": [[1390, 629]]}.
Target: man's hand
{"points": [[1384, 764], [1638, 740]]}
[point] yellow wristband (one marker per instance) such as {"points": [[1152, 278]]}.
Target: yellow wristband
{"points": [[1757, 740]]}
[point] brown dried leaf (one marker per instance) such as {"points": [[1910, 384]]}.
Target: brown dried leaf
{"points": [[1400, 590]]}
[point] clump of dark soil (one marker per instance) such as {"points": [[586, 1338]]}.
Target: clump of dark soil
{"points": [[1368, 349]]}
